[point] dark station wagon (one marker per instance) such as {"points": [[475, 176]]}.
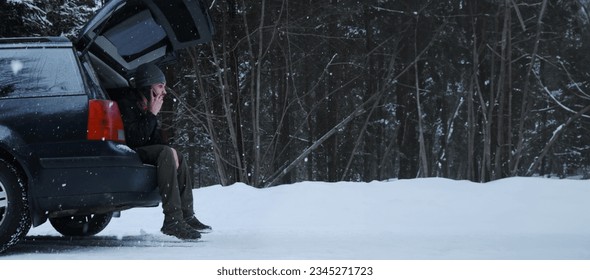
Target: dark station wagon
{"points": [[63, 156]]}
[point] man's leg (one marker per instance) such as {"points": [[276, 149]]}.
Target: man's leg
{"points": [[168, 185], [185, 186], [163, 157]]}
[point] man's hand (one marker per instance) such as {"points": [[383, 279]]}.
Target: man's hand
{"points": [[155, 104]]}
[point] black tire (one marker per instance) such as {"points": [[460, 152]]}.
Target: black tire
{"points": [[81, 225], [15, 220]]}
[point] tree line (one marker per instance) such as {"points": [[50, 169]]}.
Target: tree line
{"points": [[349, 90]]}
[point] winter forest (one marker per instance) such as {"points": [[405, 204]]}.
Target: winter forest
{"points": [[347, 90]]}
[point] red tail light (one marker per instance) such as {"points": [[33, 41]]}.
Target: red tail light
{"points": [[104, 121]]}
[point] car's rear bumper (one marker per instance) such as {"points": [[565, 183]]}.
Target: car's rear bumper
{"points": [[91, 187], [113, 179]]}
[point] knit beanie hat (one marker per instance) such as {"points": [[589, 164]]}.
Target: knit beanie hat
{"points": [[147, 75]]}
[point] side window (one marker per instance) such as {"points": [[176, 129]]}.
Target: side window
{"points": [[39, 72]]}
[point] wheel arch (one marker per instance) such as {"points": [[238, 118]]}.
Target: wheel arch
{"points": [[15, 151], [18, 165]]}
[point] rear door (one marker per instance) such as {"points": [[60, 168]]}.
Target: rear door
{"points": [[127, 33]]}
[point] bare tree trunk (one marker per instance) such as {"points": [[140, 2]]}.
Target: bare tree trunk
{"points": [[227, 108], [525, 106], [556, 134], [360, 137], [280, 173], [256, 99], [470, 131], [423, 158], [501, 96], [508, 149], [218, 155], [486, 110]]}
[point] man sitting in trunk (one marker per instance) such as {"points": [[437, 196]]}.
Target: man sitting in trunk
{"points": [[142, 133]]}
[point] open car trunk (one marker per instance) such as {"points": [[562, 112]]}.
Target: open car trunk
{"points": [[127, 33]]}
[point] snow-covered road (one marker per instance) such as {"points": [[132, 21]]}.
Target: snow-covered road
{"points": [[516, 218]]}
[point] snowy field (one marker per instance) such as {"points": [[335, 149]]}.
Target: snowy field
{"points": [[420, 219]]}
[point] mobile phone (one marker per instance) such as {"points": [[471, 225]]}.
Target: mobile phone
{"points": [[148, 95]]}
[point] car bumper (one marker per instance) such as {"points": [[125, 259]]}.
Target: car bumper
{"points": [[116, 179]]}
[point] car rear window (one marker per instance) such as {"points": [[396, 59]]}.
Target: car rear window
{"points": [[39, 72], [144, 31]]}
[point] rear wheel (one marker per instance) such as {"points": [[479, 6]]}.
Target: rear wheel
{"points": [[81, 225], [15, 220]]}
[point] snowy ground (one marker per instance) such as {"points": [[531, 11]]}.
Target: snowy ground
{"points": [[433, 219]]}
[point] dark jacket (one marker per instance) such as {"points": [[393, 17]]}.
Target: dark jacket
{"points": [[141, 126]]}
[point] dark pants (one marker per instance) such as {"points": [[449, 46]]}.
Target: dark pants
{"points": [[175, 185]]}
